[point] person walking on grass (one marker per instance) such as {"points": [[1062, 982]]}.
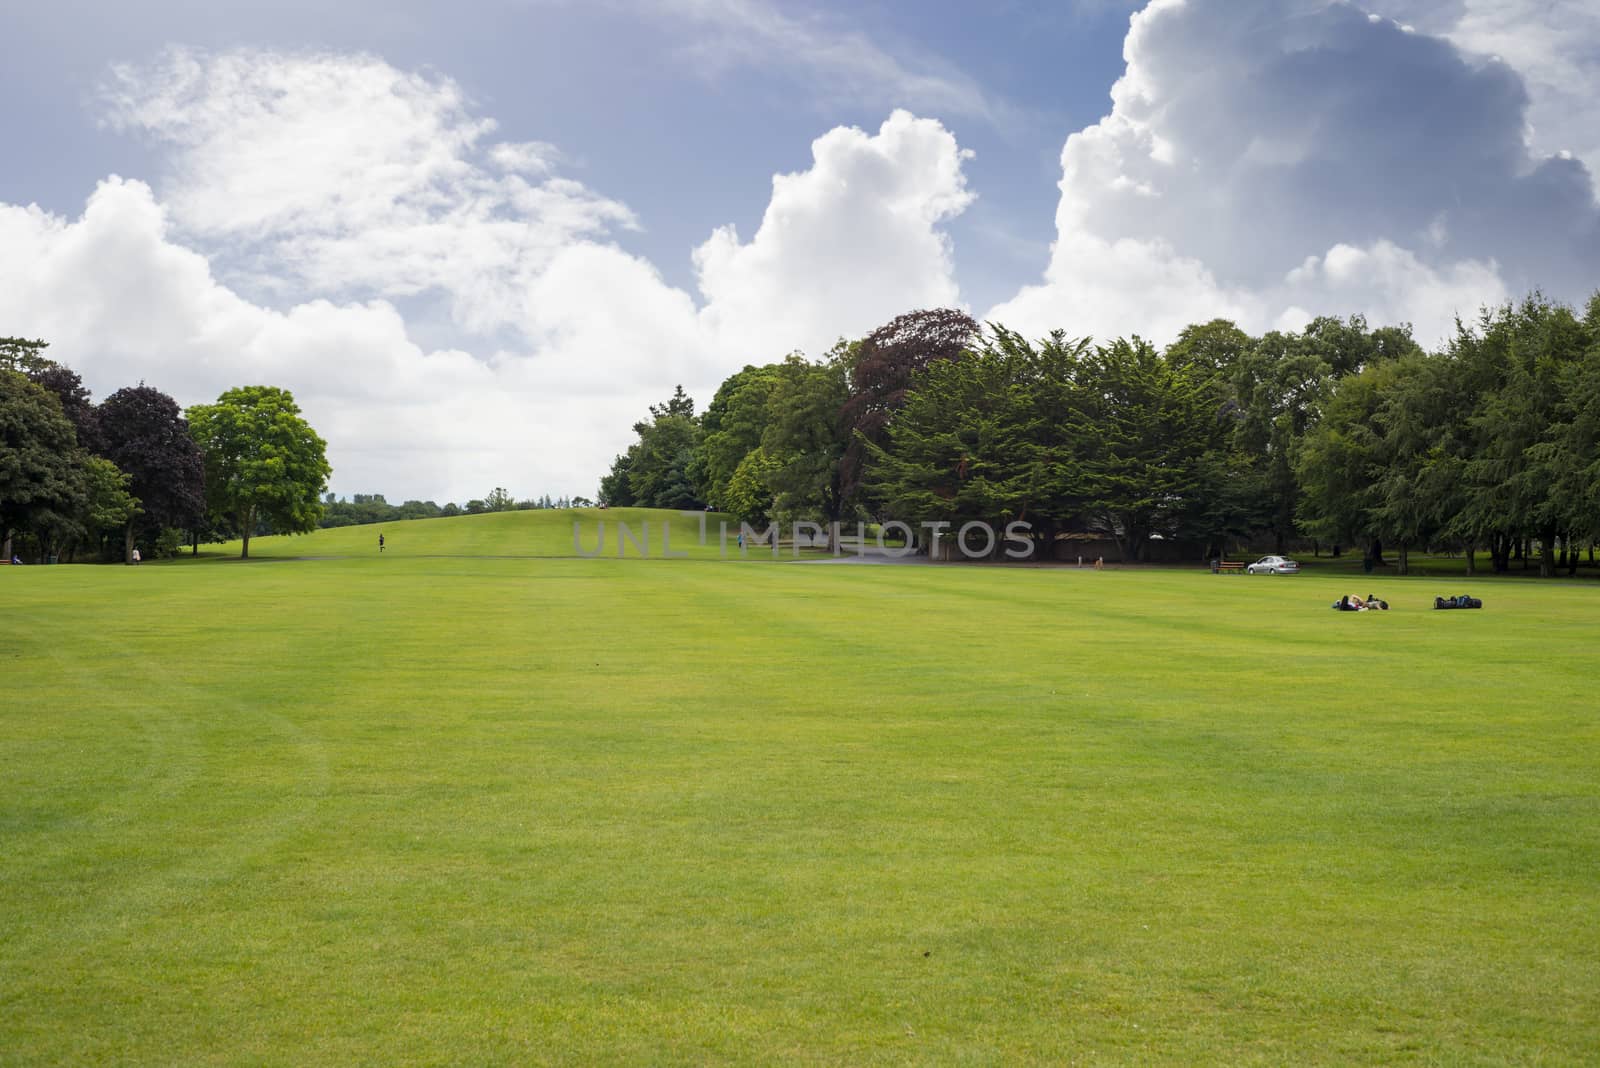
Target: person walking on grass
{"points": [[136, 556], [380, 543]]}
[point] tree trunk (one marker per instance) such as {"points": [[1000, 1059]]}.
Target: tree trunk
{"points": [[1497, 564], [1045, 534], [1405, 560], [1472, 559], [1377, 551], [1547, 553], [127, 543]]}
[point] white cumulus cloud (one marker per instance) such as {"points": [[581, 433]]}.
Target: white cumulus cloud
{"points": [[336, 174], [309, 197], [1554, 45], [856, 233], [1267, 157], [318, 214]]}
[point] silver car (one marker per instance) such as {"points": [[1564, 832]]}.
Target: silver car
{"points": [[1273, 565]]}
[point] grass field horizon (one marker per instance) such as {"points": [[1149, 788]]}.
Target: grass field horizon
{"points": [[477, 801], [548, 534]]}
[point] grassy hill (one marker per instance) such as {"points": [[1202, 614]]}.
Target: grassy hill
{"points": [[454, 804], [548, 533], [538, 533]]}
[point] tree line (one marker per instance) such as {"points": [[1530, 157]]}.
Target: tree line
{"points": [[1337, 435], [365, 508], [136, 469]]}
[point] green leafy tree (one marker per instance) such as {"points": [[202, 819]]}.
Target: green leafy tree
{"points": [[1419, 486], [23, 356], [1210, 351], [659, 468], [1485, 444], [1348, 345], [749, 494], [1546, 381], [1575, 440], [40, 473], [1517, 363], [659, 474], [1279, 385], [950, 454], [806, 437], [1226, 503], [680, 403], [1340, 458], [1228, 499], [994, 435], [1150, 429], [366, 508], [263, 462], [414, 509], [106, 506], [615, 489], [883, 366], [732, 427]]}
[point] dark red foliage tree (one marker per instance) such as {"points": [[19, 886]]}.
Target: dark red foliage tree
{"points": [[147, 436], [75, 403], [886, 362]]}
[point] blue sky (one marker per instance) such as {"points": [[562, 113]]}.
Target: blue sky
{"points": [[642, 114], [477, 240]]}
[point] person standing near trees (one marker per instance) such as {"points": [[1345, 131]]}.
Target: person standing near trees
{"points": [[380, 543]]}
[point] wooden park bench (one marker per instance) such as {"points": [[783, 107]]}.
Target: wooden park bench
{"points": [[1224, 566]]}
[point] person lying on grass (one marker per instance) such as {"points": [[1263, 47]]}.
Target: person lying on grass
{"points": [[1354, 603]]}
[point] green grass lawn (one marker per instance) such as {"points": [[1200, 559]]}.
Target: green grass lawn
{"points": [[525, 534], [458, 804]]}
